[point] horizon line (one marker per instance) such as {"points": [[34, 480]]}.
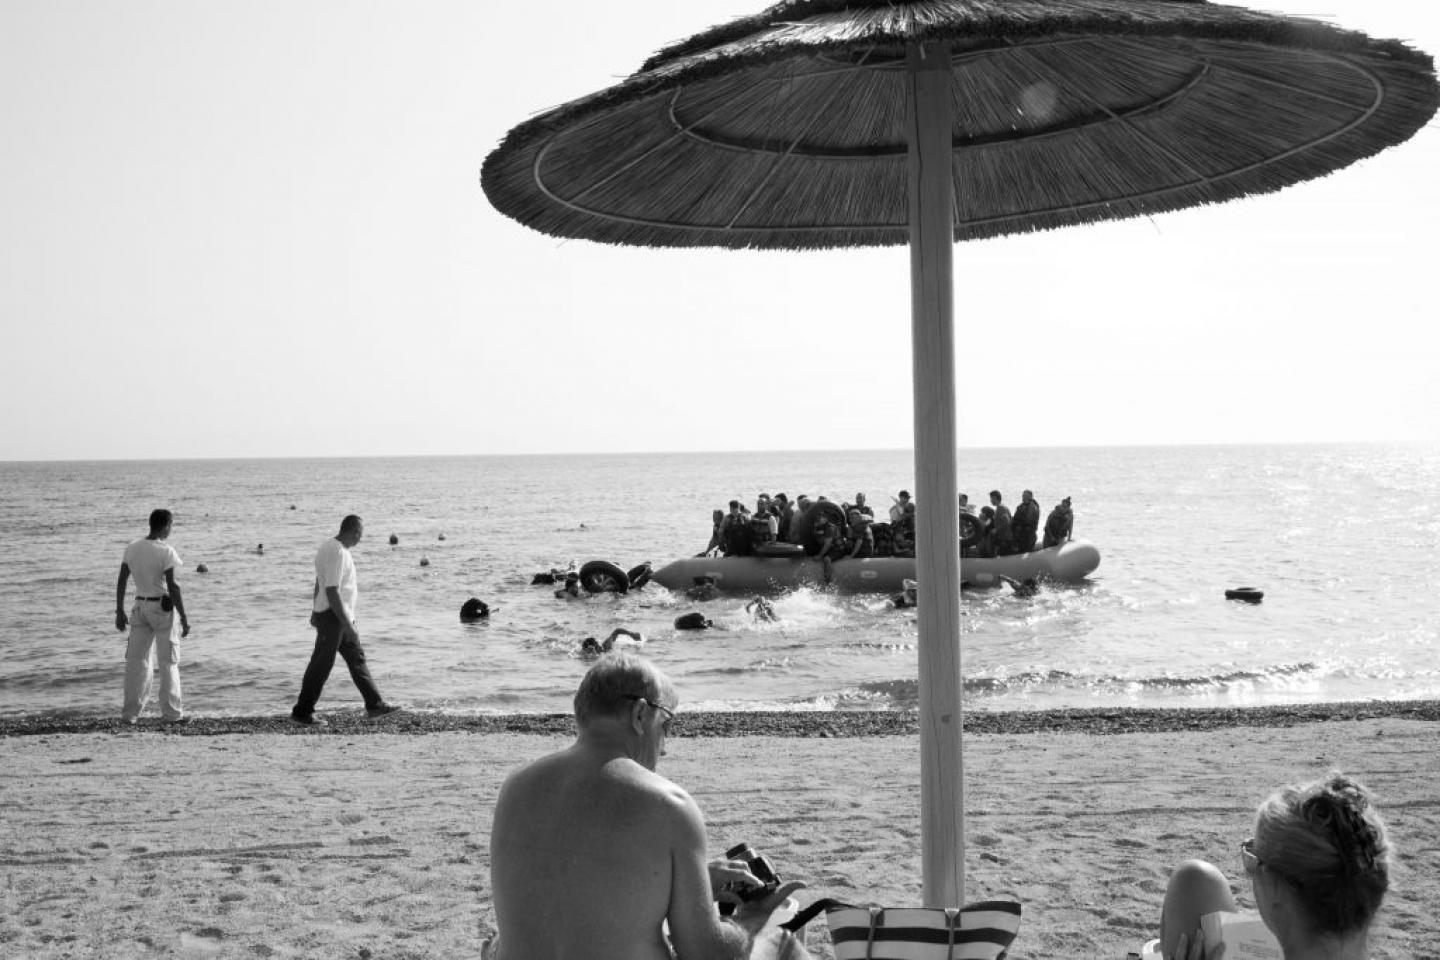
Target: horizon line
{"points": [[1209, 444]]}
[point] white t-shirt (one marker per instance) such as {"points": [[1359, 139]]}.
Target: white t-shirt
{"points": [[334, 567], [148, 560]]}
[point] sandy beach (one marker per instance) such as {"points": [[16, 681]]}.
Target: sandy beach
{"points": [[251, 838]]}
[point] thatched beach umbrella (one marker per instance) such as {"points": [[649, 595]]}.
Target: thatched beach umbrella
{"points": [[833, 123]]}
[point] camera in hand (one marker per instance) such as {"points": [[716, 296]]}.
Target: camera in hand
{"points": [[760, 867]]}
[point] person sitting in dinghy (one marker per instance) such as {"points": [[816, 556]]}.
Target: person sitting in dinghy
{"points": [[985, 545], [717, 539], [1059, 524], [833, 545], [1027, 522], [1002, 534], [902, 532], [764, 525], [862, 541], [735, 531]]}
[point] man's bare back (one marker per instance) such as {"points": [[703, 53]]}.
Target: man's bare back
{"points": [[591, 851], [549, 845]]}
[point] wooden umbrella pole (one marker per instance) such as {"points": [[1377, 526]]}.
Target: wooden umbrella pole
{"points": [[931, 200]]}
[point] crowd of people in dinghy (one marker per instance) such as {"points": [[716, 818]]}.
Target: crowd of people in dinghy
{"points": [[822, 528]]}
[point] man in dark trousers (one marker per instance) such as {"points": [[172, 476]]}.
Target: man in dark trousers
{"points": [[333, 617]]}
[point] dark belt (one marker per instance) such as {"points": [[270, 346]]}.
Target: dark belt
{"points": [[152, 599]]}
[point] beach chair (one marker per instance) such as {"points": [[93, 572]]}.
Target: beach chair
{"points": [[774, 942], [977, 931]]}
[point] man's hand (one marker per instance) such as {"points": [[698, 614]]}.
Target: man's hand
{"points": [[184, 629], [121, 621], [723, 873], [1187, 949], [754, 914], [351, 633]]}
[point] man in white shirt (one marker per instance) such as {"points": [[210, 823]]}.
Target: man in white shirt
{"points": [[152, 562], [332, 615]]}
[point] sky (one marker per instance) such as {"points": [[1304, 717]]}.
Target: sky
{"points": [[255, 229]]}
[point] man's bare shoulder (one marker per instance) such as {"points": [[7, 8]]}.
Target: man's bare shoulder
{"points": [[576, 765], [631, 776], [608, 783]]}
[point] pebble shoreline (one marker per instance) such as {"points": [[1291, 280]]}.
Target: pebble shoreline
{"points": [[1098, 721]]}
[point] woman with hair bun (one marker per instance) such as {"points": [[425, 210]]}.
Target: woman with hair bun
{"points": [[1319, 864]]}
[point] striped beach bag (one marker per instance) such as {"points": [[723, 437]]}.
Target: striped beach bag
{"points": [[977, 931]]}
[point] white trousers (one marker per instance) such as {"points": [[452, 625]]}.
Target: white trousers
{"points": [[149, 625]]}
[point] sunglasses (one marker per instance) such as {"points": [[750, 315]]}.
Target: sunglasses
{"points": [[1248, 857], [669, 714]]}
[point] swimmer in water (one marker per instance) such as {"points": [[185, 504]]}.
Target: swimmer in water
{"points": [[761, 609], [906, 597], [1028, 588], [692, 621], [590, 647], [704, 589], [571, 590]]}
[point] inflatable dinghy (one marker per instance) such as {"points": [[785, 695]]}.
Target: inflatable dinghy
{"points": [[1069, 562]]}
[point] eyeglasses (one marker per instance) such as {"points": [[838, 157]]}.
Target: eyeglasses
{"points": [[1248, 856], [669, 714]]}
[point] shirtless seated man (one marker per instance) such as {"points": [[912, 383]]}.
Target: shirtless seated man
{"points": [[591, 850]]}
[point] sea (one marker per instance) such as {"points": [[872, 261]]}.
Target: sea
{"points": [[1341, 540]]}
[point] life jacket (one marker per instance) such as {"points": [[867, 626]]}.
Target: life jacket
{"points": [[1057, 526], [737, 534], [760, 528], [1002, 518]]}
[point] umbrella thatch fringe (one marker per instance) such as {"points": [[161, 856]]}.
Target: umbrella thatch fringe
{"points": [[900, 22], [744, 147]]}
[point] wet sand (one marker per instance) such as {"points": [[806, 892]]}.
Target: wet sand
{"points": [[255, 838]]}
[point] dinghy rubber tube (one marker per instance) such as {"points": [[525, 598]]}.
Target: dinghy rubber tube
{"points": [[1070, 562]]}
